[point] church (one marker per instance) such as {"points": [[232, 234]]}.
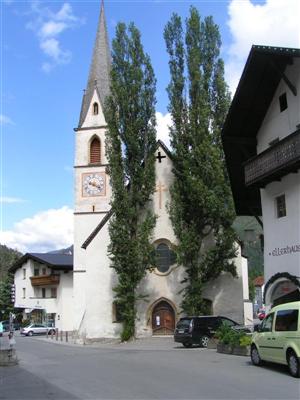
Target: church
{"points": [[95, 314]]}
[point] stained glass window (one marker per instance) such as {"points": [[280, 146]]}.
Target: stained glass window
{"points": [[165, 257]]}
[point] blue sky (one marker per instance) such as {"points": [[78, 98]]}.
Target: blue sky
{"points": [[46, 50]]}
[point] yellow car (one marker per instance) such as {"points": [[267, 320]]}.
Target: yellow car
{"points": [[277, 339]]}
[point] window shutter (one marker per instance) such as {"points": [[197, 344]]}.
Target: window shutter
{"points": [[95, 151]]}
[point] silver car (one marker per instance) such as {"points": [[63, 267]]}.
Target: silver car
{"points": [[36, 329]]}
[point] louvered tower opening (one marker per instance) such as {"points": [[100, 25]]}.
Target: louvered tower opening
{"points": [[95, 156]]}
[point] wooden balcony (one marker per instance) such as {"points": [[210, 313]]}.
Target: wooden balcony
{"points": [[44, 280], [275, 162]]}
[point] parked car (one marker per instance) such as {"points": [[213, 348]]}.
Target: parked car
{"points": [[198, 330], [5, 325], [36, 329], [277, 339]]}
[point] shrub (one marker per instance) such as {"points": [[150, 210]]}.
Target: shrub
{"points": [[227, 335], [245, 340]]}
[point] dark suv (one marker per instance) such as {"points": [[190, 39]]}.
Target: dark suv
{"points": [[198, 330]]}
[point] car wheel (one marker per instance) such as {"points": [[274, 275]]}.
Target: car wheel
{"points": [[30, 333], [255, 357], [187, 345], [293, 364], [204, 341]]}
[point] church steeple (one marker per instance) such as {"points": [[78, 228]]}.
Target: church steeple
{"points": [[99, 68]]}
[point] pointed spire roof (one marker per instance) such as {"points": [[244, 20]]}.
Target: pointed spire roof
{"points": [[99, 68]]}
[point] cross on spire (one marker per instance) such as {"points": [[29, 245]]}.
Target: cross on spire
{"points": [[160, 157]]}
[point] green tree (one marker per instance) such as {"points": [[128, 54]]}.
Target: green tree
{"points": [[7, 258], [201, 207], [6, 305], [130, 149]]}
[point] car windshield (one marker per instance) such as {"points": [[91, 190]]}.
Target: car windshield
{"points": [[183, 323]]}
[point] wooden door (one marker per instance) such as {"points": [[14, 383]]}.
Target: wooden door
{"points": [[163, 319]]}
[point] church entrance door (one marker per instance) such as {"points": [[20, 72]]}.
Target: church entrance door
{"points": [[163, 319]]}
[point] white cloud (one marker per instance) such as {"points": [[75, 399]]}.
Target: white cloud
{"points": [[45, 231], [11, 200], [48, 26], [274, 23], [5, 120], [52, 28], [163, 124], [51, 48]]}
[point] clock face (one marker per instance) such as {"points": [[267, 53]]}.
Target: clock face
{"points": [[93, 184]]}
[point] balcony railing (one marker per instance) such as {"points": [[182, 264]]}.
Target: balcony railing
{"points": [[275, 162], [44, 280]]}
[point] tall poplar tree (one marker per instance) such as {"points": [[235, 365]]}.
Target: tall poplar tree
{"points": [[201, 207], [130, 149]]}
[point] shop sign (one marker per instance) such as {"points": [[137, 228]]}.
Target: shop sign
{"points": [[282, 251]]}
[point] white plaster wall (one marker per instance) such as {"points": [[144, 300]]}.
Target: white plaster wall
{"points": [[83, 139], [281, 232], [93, 294], [98, 321], [21, 283], [226, 293], [91, 119], [278, 124], [65, 302], [245, 278]]}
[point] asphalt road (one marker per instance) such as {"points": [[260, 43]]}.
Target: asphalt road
{"points": [[147, 369]]}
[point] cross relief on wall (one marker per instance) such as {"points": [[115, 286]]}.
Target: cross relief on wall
{"points": [[160, 188]]}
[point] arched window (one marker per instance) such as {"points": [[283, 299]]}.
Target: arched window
{"points": [[95, 151], [95, 109], [165, 257]]}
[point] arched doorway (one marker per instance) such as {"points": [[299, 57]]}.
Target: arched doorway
{"points": [[163, 319]]}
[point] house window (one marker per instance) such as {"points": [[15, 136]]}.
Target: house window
{"points": [[95, 109], [165, 257], [53, 293], [44, 271], [280, 206], [95, 151], [283, 102], [24, 273], [24, 293], [36, 272], [43, 293]]}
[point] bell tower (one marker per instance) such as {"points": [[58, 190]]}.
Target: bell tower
{"points": [[92, 189]]}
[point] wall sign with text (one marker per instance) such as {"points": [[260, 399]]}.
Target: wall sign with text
{"points": [[282, 251]]}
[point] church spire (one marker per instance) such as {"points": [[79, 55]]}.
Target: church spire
{"points": [[99, 68]]}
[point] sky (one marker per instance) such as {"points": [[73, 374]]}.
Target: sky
{"points": [[46, 49]]}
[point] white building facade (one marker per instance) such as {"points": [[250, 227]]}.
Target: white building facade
{"points": [[262, 144], [44, 288]]}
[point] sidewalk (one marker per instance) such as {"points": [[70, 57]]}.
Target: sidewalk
{"points": [[151, 343]]}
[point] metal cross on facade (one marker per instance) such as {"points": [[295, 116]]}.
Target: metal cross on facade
{"points": [[160, 157], [160, 188]]}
